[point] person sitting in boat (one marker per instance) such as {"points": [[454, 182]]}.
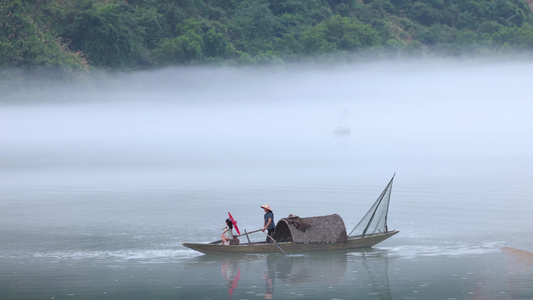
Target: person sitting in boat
{"points": [[269, 222], [227, 235]]}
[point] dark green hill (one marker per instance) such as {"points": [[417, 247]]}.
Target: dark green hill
{"points": [[76, 35]]}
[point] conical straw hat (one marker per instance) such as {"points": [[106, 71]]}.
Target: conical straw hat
{"points": [[266, 206]]}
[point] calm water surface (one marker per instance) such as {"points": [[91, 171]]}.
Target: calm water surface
{"points": [[97, 198]]}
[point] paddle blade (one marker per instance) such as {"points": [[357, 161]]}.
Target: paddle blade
{"points": [[234, 222]]}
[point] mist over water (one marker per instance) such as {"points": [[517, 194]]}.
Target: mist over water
{"points": [[440, 110], [123, 172]]}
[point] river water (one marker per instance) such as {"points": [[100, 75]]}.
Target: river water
{"points": [[100, 187]]}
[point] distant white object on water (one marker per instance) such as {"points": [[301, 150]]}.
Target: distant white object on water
{"points": [[342, 129]]}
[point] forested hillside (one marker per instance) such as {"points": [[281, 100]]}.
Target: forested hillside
{"points": [[72, 35]]}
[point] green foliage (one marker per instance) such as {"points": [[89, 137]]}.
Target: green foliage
{"points": [[135, 34], [150, 26], [517, 38], [184, 48], [437, 35], [253, 27], [24, 44], [106, 35], [338, 33]]}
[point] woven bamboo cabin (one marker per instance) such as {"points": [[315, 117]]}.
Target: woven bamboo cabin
{"points": [[323, 229]]}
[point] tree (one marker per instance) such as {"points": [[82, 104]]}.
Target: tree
{"points": [[25, 44], [107, 37], [187, 47], [517, 38], [338, 33], [254, 26]]}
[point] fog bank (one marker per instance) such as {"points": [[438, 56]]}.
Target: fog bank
{"points": [[416, 117]]}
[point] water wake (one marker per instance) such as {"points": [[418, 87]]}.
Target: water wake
{"points": [[411, 252], [140, 255]]}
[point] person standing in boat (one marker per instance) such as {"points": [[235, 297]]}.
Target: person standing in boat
{"points": [[269, 222], [227, 235]]}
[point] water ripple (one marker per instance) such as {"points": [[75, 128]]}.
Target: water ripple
{"points": [[129, 255], [412, 252]]}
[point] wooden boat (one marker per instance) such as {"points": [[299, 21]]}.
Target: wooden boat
{"points": [[295, 234]]}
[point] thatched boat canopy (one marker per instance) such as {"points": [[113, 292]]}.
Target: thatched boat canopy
{"points": [[322, 229]]}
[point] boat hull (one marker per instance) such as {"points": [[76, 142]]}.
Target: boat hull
{"points": [[352, 243]]}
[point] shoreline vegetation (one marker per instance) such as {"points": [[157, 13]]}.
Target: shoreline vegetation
{"points": [[73, 41]]}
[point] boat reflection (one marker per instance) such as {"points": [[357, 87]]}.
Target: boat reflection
{"points": [[232, 273], [276, 275], [327, 269], [269, 277]]}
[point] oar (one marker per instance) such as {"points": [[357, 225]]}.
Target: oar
{"points": [[249, 232], [246, 234], [275, 243]]}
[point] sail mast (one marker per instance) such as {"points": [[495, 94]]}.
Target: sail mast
{"points": [[369, 218]]}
